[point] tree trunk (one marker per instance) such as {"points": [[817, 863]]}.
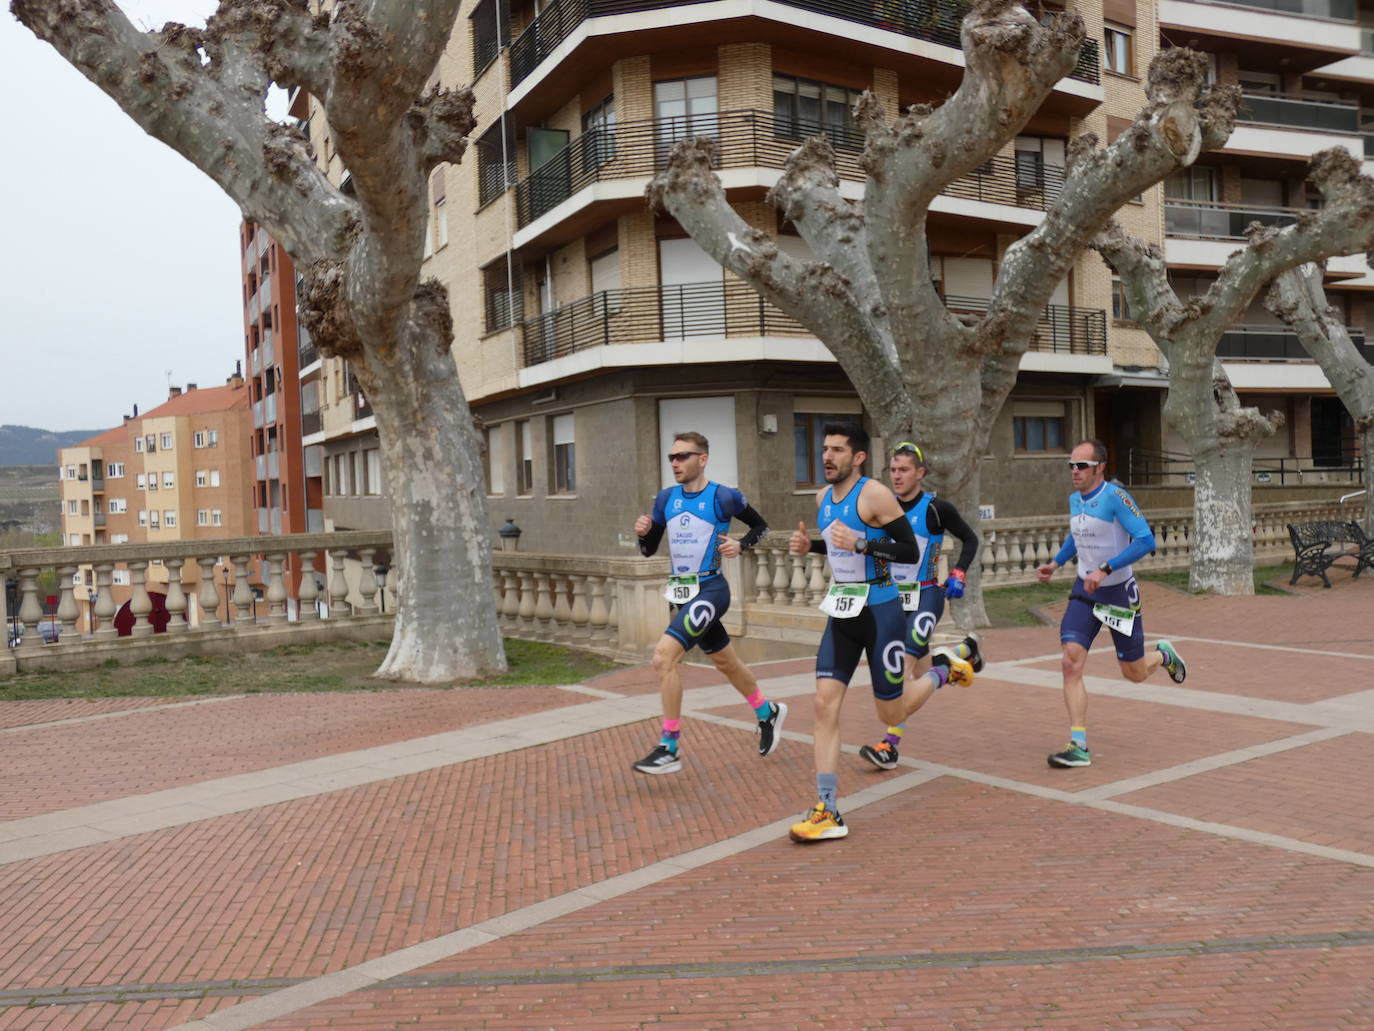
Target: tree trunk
{"points": [[1223, 546], [969, 612], [1366, 438], [446, 627]]}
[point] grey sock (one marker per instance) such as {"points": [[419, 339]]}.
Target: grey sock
{"points": [[828, 789]]}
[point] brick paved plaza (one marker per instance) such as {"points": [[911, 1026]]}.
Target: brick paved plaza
{"points": [[487, 859]]}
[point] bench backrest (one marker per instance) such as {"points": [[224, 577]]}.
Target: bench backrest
{"points": [[1327, 531]]}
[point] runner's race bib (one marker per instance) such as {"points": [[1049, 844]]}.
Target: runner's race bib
{"points": [[845, 601], [1114, 617], [682, 589], [911, 596]]}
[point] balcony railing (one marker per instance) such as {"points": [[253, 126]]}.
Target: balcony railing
{"points": [[306, 351], [1289, 112], [1207, 220], [936, 21], [311, 422], [730, 308], [750, 139], [1277, 344], [1334, 10]]}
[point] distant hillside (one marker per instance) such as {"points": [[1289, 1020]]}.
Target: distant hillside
{"points": [[24, 445]]}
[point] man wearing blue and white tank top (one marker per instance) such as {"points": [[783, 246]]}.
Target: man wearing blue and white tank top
{"points": [[923, 597], [1106, 534], [696, 513], [863, 530]]}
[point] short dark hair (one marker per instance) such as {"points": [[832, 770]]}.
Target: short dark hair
{"points": [[692, 437], [859, 439], [1099, 448]]}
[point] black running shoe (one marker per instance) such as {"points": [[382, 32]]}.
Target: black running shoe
{"points": [[770, 730], [660, 760], [1072, 755], [882, 755], [975, 653]]}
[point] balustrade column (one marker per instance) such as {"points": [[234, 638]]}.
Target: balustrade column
{"points": [[781, 577], [140, 604], [815, 582], [176, 597], [579, 588], [209, 594], [613, 615], [543, 606], [243, 595], [562, 611], [763, 579], [599, 613], [796, 585], [276, 589], [527, 602], [67, 611], [307, 598], [338, 589], [510, 602], [30, 609], [367, 583], [105, 607]]}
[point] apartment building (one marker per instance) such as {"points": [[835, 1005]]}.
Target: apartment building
{"points": [[1307, 78], [181, 471], [589, 330], [283, 390]]}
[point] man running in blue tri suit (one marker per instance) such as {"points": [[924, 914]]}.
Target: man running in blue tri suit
{"points": [[1106, 534], [696, 514], [863, 529], [923, 599]]}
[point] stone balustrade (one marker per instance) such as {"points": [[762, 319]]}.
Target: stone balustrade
{"points": [[611, 605]]}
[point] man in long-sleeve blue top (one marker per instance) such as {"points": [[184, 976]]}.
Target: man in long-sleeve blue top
{"points": [[1106, 534]]}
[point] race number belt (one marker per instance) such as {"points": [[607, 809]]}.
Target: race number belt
{"points": [[845, 601], [911, 593], [682, 589], [1114, 617]]}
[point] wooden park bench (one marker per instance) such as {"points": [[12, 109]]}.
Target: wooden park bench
{"points": [[1317, 546]]}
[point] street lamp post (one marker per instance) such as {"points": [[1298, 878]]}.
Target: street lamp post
{"points": [[91, 595], [379, 571], [228, 609]]}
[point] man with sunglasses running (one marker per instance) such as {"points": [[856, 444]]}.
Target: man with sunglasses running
{"points": [[696, 514], [1106, 534], [923, 598], [863, 531]]}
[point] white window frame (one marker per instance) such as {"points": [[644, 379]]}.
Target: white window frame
{"points": [[169, 480], [117, 505], [214, 438], [142, 517], [202, 478], [202, 517], [169, 517], [138, 444], [120, 577], [1113, 37], [114, 471], [165, 442], [119, 538], [71, 508], [198, 440], [214, 477], [216, 517]]}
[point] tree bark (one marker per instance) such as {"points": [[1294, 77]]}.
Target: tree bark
{"points": [[1297, 297], [202, 91], [1223, 545]]}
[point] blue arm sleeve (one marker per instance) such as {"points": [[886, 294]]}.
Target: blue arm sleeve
{"points": [[1142, 537], [730, 502], [1067, 551], [660, 512]]}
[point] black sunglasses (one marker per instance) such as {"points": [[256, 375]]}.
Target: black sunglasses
{"points": [[682, 456], [1080, 466]]}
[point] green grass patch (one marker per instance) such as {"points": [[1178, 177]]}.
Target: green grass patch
{"points": [[322, 668]]}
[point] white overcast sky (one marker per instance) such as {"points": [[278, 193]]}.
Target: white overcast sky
{"points": [[119, 262]]}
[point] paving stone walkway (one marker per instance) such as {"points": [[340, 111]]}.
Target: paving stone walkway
{"points": [[486, 859]]}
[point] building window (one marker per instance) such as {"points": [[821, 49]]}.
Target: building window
{"points": [[199, 439], [214, 437], [524, 458], [115, 470], [71, 472], [152, 481], [439, 191], [117, 505], [169, 480], [202, 517], [71, 508], [1038, 426], [683, 109], [497, 169], [119, 538], [202, 478], [494, 459], [120, 577], [1121, 309], [353, 473], [215, 517], [808, 438], [141, 482], [564, 455], [372, 460], [138, 444], [502, 294], [214, 477], [598, 134], [166, 442], [142, 517], [1118, 53], [169, 517], [804, 107]]}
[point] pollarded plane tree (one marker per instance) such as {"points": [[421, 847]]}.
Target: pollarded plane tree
{"points": [[202, 91], [922, 371], [1201, 405], [1298, 298]]}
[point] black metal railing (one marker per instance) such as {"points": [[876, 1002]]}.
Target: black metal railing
{"points": [[306, 351], [936, 21], [311, 422], [730, 308], [1147, 467], [1277, 344], [1290, 112], [1335, 10], [749, 139], [1207, 220]]}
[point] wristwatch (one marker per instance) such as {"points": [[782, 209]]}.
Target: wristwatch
{"points": [[1106, 567], [861, 545]]}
